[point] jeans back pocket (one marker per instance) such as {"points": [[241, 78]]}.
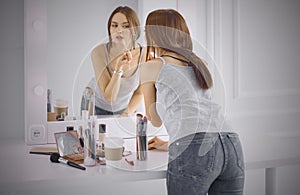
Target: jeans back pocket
{"points": [[235, 141]]}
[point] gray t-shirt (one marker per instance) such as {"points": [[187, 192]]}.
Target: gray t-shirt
{"points": [[183, 106]]}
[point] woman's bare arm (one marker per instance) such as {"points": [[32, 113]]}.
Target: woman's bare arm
{"points": [[109, 85], [135, 101], [149, 73]]}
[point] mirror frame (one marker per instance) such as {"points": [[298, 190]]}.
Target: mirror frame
{"points": [[35, 69]]}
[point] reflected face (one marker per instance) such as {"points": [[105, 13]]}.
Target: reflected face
{"points": [[120, 29]]}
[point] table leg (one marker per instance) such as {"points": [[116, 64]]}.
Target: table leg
{"points": [[270, 179]]}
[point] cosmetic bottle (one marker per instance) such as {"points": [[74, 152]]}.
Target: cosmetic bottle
{"points": [[49, 100], [89, 139], [88, 101], [141, 137], [80, 136], [100, 146], [70, 128]]}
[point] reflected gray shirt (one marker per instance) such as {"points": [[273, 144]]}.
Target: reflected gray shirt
{"points": [[183, 106], [127, 87]]}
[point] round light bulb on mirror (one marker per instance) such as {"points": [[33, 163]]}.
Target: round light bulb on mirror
{"points": [[39, 90]]}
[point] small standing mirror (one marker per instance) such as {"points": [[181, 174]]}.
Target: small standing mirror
{"points": [[68, 145]]}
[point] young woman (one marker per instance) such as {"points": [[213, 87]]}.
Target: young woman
{"points": [[205, 155], [116, 66]]}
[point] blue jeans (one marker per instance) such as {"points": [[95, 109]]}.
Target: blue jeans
{"points": [[203, 163]]}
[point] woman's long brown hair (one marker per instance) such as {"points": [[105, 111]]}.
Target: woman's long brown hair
{"points": [[167, 30], [133, 20]]}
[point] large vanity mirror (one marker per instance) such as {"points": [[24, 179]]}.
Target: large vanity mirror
{"points": [[59, 35], [73, 29]]}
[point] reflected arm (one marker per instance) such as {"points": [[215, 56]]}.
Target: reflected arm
{"points": [[109, 85], [137, 96], [135, 101]]}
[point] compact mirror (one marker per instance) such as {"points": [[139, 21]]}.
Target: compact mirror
{"points": [[68, 144]]}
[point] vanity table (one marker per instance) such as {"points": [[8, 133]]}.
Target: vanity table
{"points": [[24, 173]]}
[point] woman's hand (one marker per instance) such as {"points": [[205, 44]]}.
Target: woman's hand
{"points": [[157, 143], [123, 63], [124, 114], [127, 56]]}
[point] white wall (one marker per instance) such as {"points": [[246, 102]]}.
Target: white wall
{"points": [[262, 75], [256, 46], [12, 69]]}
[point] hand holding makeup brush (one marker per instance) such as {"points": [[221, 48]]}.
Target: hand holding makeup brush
{"points": [[123, 63], [125, 58]]}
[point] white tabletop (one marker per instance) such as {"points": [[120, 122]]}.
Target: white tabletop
{"points": [[23, 171]]}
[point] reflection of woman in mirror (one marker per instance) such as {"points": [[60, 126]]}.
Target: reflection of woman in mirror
{"points": [[116, 66], [205, 155]]}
